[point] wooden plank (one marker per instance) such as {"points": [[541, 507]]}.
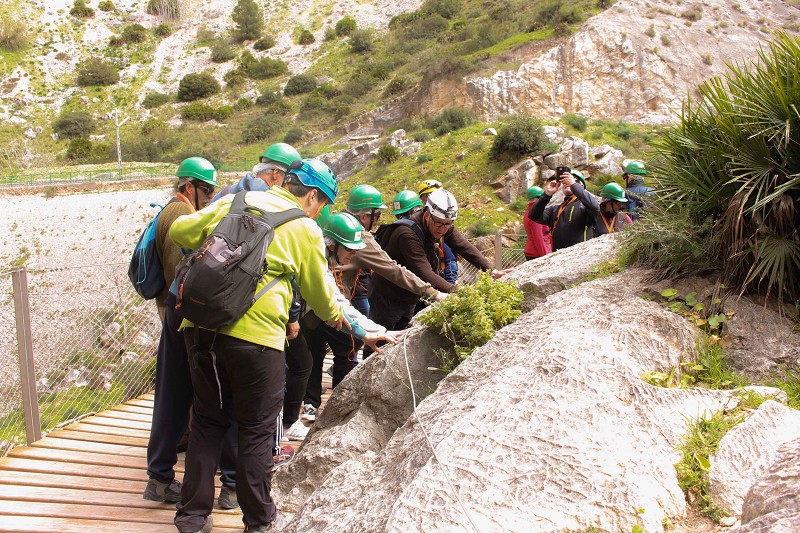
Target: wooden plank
{"points": [[115, 514], [73, 456], [98, 437], [140, 403], [135, 409], [100, 447], [118, 422], [88, 427], [148, 396], [78, 496], [126, 416], [78, 525], [72, 469], [66, 481]]}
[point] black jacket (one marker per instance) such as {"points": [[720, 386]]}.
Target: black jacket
{"points": [[576, 222]]}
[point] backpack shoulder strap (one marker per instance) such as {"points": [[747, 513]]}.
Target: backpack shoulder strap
{"points": [[277, 219], [411, 224]]}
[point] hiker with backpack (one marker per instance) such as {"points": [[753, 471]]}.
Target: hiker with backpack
{"points": [[237, 362], [573, 220], [197, 179], [416, 243], [268, 172]]}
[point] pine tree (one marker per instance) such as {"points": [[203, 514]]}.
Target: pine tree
{"points": [[249, 20]]}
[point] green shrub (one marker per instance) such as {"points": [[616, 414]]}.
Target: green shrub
{"points": [[234, 78], [361, 41], [221, 52], [424, 158], [205, 36], [80, 10], [330, 34], [96, 72], [396, 86], [262, 128], [576, 121], [445, 8], [134, 33], [268, 97], [471, 316], [520, 136], [388, 154], [203, 112], [300, 84], [422, 136], [694, 13], [345, 26], [265, 43], [358, 86], [328, 90], [249, 20], [306, 37], [106, 5], [14, 34], [168, 9], [163, 30], [196, 86], [153, 100], [261, 69], [481, 228], [450, 119], [73, 124], [79, 149], [293, 136], [242, 104]]}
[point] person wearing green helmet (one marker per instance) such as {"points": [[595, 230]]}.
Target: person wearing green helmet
{"points": [[538, 242], [406, 203], [573, 220], [637, 193], [268, 172], [196, 182], [248, 353], [611, 219]]}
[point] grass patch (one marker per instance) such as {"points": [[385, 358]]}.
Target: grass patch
{"points": [[789, 382], [513, 42]]}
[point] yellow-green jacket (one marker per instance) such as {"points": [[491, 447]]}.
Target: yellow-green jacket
{"points": [[297, 248]]}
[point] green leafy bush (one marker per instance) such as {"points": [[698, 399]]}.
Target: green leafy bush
{"points": [[134, 33], [265, 43], [445, 8], [249, 20], [306, 37], [242, 104], [80, 10], [261, 69], [361, 41], [79, 149], [450, 119], [234, 78], [293, 136], [163, 30], [203, 112], [481, 228], [14, 34], [73, 124], [261, 129], [96, 72], [300, 84], [576, 121], [106, 5], [268, 97], [221, 52], [396, 86], [520, 136], [330, 34], [196, 86], [153, 100], [471, 316], [424, 158], [345, 26], [388, 154]]}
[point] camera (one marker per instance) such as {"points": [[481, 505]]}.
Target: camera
{"points": [[561, 170]]}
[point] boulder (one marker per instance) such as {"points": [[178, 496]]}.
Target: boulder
{"points": [[548, 427], [608, 163], [553, 134], [490, 131], [773, 502], [746, 452], [516, 181]]}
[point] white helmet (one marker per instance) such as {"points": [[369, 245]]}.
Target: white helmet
{"points": [[442, 204]]}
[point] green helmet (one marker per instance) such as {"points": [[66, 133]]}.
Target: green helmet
{"points": [[324, 216], [281, 153], [345, 229], [614, 192], [534, 192], [579, 176], [634, 167], [405, 201], [198, 168], [364, 197]]}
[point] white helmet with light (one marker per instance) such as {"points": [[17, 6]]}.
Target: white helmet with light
{"points": [[442, 204]]}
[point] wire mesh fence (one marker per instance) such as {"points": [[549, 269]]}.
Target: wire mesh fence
{"points": [[93, 346], [512, 246]]}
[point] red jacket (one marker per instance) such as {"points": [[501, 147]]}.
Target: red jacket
{"points": [[538, 243]]}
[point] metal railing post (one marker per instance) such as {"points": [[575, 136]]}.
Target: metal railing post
{"points": [[27, 370], [498, 250]]}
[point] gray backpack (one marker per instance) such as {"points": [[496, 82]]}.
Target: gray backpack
{"points": [[217, 282]]}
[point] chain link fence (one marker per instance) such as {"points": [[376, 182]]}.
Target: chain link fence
{"points": [[92, 343], [511, 253]]}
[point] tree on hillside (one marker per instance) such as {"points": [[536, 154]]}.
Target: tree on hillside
{"points": [[249, 20], [728, 179]]}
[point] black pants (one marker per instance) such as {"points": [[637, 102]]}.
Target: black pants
{"points": [[173, 398], [391, 314], [298, 368], [233, 380], [312, 329], [344, 348]]}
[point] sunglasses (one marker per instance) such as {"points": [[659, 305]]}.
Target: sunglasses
{"points": [[205, 188]]}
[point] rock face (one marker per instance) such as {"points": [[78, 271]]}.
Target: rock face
{"points": [[773, 503], [548, 427], [746, 452], [637, 61]]}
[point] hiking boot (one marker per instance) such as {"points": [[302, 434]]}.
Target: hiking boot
{"points": [[180, 523], [309, 413], [276, 525], [157, 491], [227, 498], [297, 431]]}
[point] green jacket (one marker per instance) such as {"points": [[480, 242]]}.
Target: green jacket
{"points": [[297, 248]]}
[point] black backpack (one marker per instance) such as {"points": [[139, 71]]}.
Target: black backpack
{"points": [[217, 282], [383, 233]]}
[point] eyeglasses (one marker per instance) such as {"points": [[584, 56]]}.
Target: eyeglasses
{"points": [[205, 188], [441, 224]]}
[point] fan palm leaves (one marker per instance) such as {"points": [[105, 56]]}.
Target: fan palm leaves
{"points": [[734, 156]]}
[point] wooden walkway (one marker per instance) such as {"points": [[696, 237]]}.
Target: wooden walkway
{"points": [[90, 476]]}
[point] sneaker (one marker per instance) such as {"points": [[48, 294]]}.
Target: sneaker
{"points": [[227, 498], [263, 528], [180, 524], [309, 413], [157, 491], [285, 453], [297, 431]]}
